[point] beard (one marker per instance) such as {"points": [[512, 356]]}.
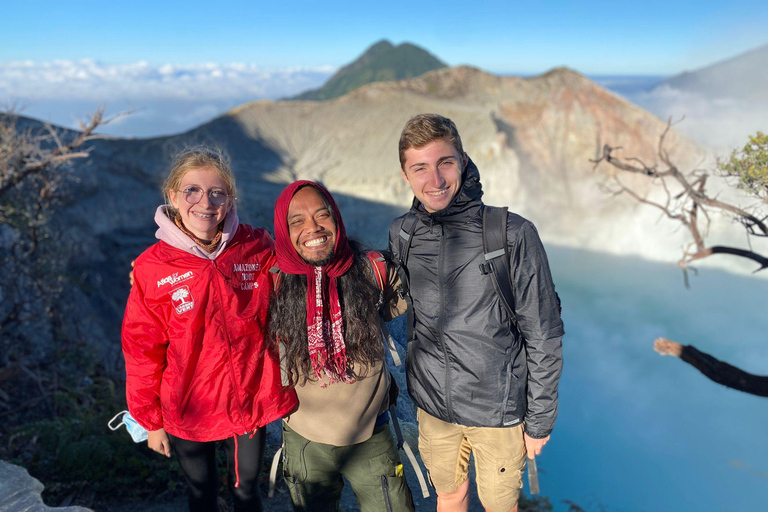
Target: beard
{"points": [[322, 261]]}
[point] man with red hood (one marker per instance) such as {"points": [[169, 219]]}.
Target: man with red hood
{"points": [[324, 317]]}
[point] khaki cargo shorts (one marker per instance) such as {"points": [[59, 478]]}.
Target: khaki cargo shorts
{"points": [[499, 459]]}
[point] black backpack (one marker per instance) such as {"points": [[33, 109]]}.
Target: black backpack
{"points": [[494, 247]]}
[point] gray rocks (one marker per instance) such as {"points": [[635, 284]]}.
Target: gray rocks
{"points": [[19, 492]]}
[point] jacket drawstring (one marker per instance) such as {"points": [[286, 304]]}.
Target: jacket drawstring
{"points": [[237, 471]]}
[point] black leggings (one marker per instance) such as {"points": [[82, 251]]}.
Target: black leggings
{"points": [[198, 462]]}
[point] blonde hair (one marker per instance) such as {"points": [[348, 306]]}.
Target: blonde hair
{"points": [[422, 129], [197, 158]]}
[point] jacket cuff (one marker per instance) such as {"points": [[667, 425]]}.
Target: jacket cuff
{"points": [[149, 419], [536, 435]]}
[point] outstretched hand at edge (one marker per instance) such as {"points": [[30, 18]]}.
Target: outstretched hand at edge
{"points": [[667, 347]]}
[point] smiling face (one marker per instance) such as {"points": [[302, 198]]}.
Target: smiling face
{"points": [[311, 226], [434, 173], [203, 218]]}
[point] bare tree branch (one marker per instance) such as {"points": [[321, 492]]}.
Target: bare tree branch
{"points": [[690, 206], [733, 251], [32, 158]]}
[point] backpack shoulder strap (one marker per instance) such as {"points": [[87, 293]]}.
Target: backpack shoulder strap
{"points": [[407, 228], [496, 254], [276, 282], [403, 444], [273, 468], [379, 267]]}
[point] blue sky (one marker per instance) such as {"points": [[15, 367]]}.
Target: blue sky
{"points": [[594, 37], [179, 64]]}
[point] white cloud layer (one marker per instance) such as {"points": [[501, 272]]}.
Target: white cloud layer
{"points": [[88, 79], [167, 99], [173, 98]]}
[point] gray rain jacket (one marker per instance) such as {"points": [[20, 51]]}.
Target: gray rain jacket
{"points": [[467, 363]]}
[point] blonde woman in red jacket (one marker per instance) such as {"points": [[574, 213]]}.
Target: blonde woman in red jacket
{"points": [[193, 334]]}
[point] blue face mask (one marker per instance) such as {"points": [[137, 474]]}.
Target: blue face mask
{"points": [[137, 432]]}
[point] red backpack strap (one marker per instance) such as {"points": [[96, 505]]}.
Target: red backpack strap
{"points": [[379, 265]]}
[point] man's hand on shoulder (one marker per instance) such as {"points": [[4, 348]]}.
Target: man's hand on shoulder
{"points": [[534, 446]]}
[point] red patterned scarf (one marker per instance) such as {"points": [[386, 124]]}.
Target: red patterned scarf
{"points": [[325, 333]]}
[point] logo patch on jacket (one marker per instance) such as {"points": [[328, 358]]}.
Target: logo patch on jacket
{"points": [[182, 299], [175, 278], [248, 273]]}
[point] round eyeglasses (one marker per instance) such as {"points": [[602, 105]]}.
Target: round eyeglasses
{"points": [[217, 198]]}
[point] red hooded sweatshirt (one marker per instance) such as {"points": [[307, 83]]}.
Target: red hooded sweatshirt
{"points": [[193, 336]]}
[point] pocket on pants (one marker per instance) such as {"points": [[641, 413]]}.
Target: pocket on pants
{"points": [[294, 463], [397, 494], [385, 490], [294, 466], [501, 489], [384, 477], [499, 460]]}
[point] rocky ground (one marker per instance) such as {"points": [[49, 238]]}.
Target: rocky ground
{"points": [[19, 492]]}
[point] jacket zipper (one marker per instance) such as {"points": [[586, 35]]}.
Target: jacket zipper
{"points": [[507, 388], [440, 279], [229, 345]]}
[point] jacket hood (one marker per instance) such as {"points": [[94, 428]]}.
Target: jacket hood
{"points": [[170, 233], [466, 202]]}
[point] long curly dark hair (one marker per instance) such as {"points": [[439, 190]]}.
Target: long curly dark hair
{"points": [[359, 298]]}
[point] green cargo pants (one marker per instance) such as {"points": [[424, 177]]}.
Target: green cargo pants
{"points": [[313, 472]]}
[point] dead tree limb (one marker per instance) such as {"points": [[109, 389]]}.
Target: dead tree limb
{"points": [[690, 206], [28, 155]]}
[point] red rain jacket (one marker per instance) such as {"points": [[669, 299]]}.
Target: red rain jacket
{"points": [[193, 340]]}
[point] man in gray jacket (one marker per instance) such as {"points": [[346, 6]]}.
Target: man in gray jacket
{"points": [[484, 381]]}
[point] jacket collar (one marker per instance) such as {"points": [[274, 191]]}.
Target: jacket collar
{"points": [[169, 233], [465, 204]]}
